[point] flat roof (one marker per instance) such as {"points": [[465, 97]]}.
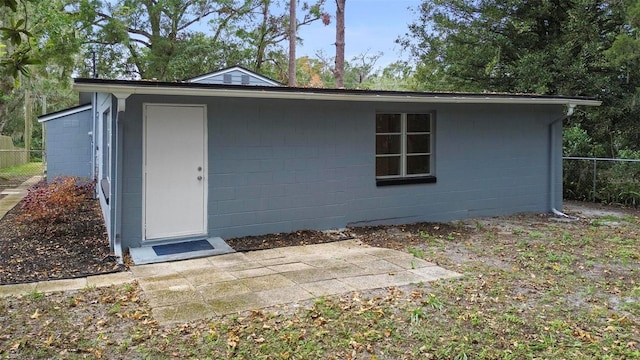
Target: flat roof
{"points": [[124, 88]]}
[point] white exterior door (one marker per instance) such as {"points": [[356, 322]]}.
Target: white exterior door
{"points": [[175, 171]]}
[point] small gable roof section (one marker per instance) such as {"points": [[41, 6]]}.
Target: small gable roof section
{"points": [[235, 75], [64, 113]]}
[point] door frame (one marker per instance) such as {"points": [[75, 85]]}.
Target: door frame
{"points": [[205, 174]]}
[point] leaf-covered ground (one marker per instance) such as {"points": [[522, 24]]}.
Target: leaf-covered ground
{"points": [[76, 247], [533, 288]]}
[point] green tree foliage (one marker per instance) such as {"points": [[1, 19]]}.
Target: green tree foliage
{"points": [[174, 39], [45, 83], [15, 51], [559, 47]]}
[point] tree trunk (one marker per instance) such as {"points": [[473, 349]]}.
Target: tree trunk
{"points": [[292, 42], [338, 72]]}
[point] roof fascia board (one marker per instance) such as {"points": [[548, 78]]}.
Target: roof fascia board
{"points": [[63, 113], [310, 95]]}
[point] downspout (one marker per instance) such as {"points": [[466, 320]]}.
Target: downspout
{"points": [[116, 197], [552, 161]]}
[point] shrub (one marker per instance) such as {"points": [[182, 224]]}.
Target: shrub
{"points": [[615, 182], [53, 203]]}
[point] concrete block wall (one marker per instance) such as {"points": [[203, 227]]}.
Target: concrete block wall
{"points": [[283, 165], [69, 145]]}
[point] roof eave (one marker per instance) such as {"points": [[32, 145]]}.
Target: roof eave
{"points": [[63, 113], [398, 97]]}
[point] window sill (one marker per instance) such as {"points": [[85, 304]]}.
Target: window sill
{"points": [[406, 181]]}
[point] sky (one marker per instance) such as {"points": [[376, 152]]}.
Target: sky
{"points": [[370, 26]]}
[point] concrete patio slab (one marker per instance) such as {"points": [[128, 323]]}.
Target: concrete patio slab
{"points": [[256, 272], [433, 273], [346, 269], [223, 289], [230, 260], [307, 275], [379, 265], [190, 265], [294, 266], [152, 270], [236, 303], [169, 282], [159, 298], [184, 312], [408, 262], [375, 281], [286, 295], [327, 287], [209, 276], [267, 282]]}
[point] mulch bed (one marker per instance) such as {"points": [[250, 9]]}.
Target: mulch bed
{"points": [[397, 237], [78, 247]]}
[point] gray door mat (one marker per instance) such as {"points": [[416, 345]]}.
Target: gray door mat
{"points": [[148, 254], [182, 247]]}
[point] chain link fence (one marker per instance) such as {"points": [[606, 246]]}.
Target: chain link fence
{"points": [[18, 166], [606, 180]]}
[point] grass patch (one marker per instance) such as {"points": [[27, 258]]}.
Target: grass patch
{"points": [[28, 169], [419, 253]]}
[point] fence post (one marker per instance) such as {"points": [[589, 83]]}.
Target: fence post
{"points": [[595, 179]]}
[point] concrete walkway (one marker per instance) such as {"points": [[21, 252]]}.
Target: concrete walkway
{"points": [[186, 290], [14, 195]]}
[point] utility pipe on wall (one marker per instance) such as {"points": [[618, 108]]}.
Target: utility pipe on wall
{"points": [[553, 174]]}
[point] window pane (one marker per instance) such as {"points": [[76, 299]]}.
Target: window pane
{"points": [[388, 123], [418, 144], [418, 165], [386, 166], [418, 122], [388, 144]]}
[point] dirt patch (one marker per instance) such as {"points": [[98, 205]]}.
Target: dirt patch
{"points": [[589, 210]]}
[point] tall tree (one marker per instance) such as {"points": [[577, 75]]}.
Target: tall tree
{"points": [[151, 36], [51, 36], [340, 44], [292, 43], [533, 46], [151, 30]]}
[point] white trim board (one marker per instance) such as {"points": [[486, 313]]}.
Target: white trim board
{"points": [[335, 95], [63, 113]]}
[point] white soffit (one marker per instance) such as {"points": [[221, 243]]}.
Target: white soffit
{"points": [[309, 94]]}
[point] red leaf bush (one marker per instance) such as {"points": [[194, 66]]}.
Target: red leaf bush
{"points": [[52, 203]]}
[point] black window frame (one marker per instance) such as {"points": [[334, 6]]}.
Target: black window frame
{"points": [[403, 177]]}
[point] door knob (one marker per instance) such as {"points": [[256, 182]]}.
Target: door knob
{"points": [[199, 177]]}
